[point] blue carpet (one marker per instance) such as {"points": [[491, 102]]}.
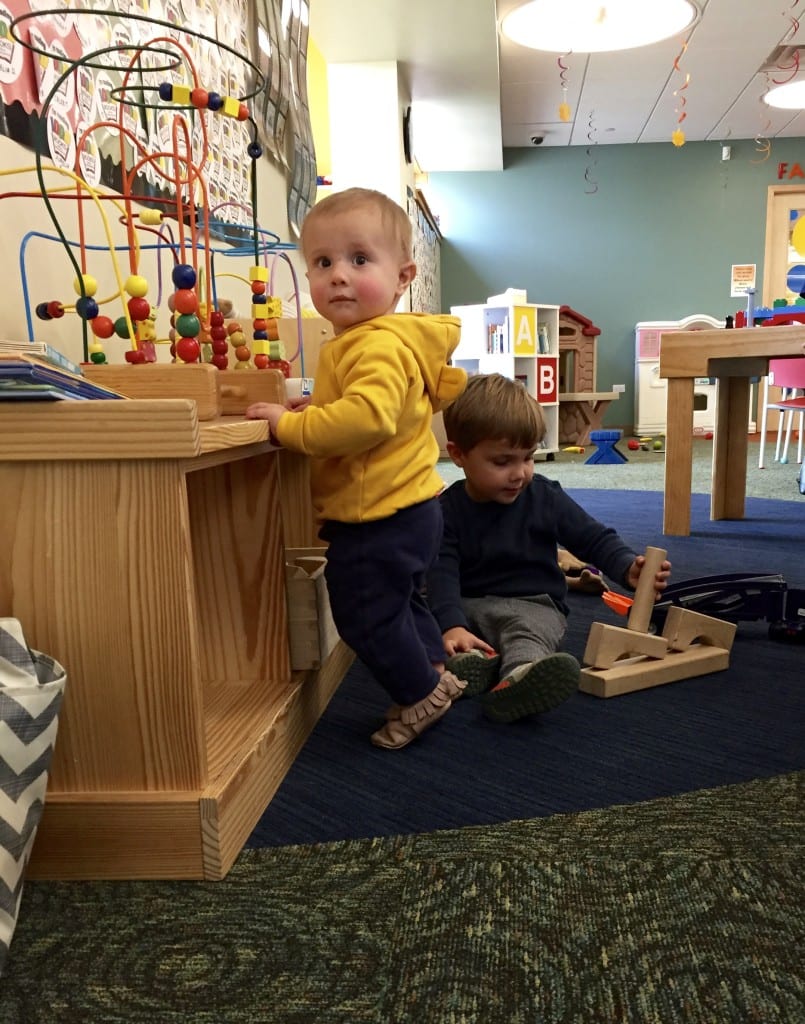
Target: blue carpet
{"points": [[735, 726]]}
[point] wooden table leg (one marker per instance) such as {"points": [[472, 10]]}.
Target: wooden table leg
{"points": [[678, 457], [730, 448]]}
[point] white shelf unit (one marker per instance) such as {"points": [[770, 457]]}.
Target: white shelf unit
{"points": [[519, 341]]}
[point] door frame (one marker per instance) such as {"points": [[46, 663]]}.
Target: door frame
{"points": [[775, 260]]}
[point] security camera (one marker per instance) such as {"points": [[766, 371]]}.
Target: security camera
{"points": [[537, 140]]}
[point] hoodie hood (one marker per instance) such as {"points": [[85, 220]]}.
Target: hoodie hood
{"points": [[431, 339]]}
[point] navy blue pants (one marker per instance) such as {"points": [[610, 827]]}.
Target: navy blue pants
{"points": [[375, 574]]}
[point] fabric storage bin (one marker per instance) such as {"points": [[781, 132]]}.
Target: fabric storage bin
{"points": [[31, 691]]}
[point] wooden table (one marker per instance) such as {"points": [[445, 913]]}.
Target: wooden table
{"points": [[581, 412], [732, 357], [145, 552]]}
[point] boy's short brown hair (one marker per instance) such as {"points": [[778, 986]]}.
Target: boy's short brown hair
{"points": [[395, 219], [494, 408]]}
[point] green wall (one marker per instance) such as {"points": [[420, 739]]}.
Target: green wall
{"points": [[657, 241]]}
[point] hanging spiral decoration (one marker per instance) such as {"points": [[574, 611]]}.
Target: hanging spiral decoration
{"points": [[678, 135], [564, 106], [592, 184]]}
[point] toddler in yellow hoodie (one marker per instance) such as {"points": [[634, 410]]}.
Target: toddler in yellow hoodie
{"points": [[367, 430]]}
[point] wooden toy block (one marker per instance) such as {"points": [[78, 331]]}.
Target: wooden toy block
{"points": [[239, 388], [643, 605], [607, 644], [198, 381], [684, 628], [621, 661], [642, 674]]}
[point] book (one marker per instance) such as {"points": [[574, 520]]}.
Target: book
{"points": [[41, 348], [32, 369], [15, 390]]}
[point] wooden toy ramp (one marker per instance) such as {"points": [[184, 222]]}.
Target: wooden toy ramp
{"points": [[620, 660]]}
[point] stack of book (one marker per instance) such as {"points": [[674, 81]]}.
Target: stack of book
{"points": [[37, 372]]}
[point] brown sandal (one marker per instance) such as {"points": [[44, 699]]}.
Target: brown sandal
{"points": [[452, 684], [414, 719]]}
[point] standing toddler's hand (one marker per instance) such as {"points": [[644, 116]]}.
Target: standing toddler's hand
{"points": [[270, 411]]}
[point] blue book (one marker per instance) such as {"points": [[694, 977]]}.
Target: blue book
{"points": [[33, 370]]}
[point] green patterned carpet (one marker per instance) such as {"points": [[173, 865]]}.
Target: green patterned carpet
{"points": [[685, 909]]}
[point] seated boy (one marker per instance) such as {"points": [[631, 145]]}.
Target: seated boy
{"points": [[496, 588]]}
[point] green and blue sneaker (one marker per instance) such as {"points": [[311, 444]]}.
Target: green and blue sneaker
{"points": [[533, 689]]}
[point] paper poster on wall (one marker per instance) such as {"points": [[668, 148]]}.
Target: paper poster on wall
{"points": [[121, 53], [742, 278]]}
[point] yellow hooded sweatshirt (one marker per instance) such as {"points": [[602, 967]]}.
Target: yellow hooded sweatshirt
{"points": [[368, 426]]}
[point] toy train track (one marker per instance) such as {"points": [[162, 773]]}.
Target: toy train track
{"points": [[738, 597]]}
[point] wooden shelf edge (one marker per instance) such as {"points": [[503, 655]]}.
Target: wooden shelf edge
{"points": [[193, 835]]}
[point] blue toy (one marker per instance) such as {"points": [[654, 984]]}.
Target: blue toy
{"points": [[605, 453]]}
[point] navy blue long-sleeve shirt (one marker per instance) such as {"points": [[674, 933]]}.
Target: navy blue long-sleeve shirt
{"points": [[511, 550]]}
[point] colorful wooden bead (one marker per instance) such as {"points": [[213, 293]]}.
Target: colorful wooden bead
{"points": [[136, 286], [102, 326], [183, 275], [139, 309], [90, 285], [86, 307], [122, 327], [188, 349], [188, 325], [185, 300], [280, 364]]}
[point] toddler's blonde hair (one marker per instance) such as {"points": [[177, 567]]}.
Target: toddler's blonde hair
{"points": [[393, 216]]}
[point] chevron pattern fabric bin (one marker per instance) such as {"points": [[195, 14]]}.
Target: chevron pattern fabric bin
{"points": [[31, 691]]}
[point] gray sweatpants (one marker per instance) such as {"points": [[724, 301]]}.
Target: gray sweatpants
{"points": [[521, 629]]}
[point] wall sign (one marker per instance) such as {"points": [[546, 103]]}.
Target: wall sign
{"points": [[742, 278]]}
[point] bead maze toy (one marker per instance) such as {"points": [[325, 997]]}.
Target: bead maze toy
{"points": [[620, 660], [163, 85]]}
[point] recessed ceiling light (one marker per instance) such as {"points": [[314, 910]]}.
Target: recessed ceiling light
{"points": [[595, 26], [790, 96]]}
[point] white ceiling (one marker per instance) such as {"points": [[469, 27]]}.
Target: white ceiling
{"points": [[474, 92]]}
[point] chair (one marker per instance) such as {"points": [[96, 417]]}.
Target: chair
{"points": [[789, 375]]}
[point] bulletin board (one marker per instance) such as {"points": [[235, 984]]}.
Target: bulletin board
{"points": [[426, 288]]}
